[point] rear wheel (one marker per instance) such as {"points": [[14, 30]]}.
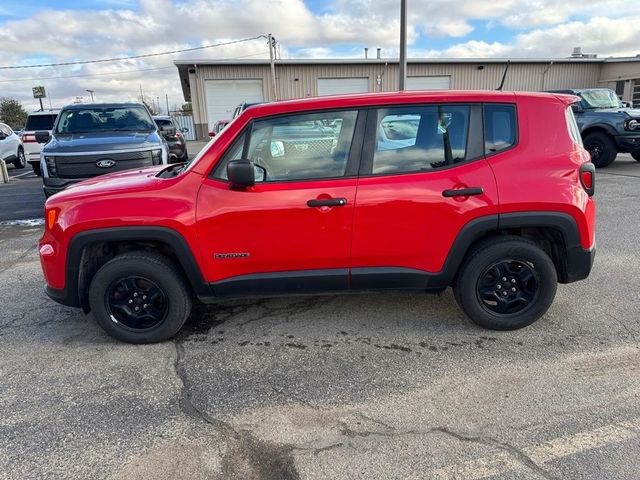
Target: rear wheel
{"points": [[21, 160], [601, 148], [506, 283], [636, 156], [140, 297]]}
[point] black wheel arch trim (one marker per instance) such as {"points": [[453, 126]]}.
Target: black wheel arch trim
{"points": [[71, 295]]}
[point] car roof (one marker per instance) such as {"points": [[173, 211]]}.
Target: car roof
{"points": [[51, 111], [394, 98], [80, 106]]}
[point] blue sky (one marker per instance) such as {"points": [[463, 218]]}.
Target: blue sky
{"points": [[36, 31]]}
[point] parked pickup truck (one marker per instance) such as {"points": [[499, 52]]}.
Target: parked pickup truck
{"points": [[607, 127], [88, 140], [302, 197]]}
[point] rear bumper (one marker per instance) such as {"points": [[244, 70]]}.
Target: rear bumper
{"points": [[578, 264]]}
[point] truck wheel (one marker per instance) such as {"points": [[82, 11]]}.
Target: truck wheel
{"points": [[140, 297], [36, 168], [506, 283], [602, 149], [636, 156], [20, 160]]}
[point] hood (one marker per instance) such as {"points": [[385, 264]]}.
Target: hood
{"points": [[102, 141], [112, 183], [632, 112]]}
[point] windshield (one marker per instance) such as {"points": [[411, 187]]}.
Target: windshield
{"points": [[40, 122], [600, 98], [105, 119]]}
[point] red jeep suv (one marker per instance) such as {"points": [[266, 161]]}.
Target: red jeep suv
{"points": [[486, 192]]}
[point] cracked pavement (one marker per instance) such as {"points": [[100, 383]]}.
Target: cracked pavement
{"points": [[351, 387]]}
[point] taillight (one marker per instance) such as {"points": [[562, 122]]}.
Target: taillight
{"points": [[178, 134], [588, 178], [28, 138]]}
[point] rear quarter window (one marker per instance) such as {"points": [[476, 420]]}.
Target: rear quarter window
{"points": [[40, 122], [572, 125], [500, 127]]}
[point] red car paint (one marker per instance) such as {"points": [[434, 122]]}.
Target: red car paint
{"points": [[388, 221]]}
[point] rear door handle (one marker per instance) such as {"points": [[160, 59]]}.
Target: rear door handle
{"points": [[462, 192], [327, 202]]}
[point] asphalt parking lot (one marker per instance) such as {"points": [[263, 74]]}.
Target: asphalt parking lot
{"points": [[363, 386]]}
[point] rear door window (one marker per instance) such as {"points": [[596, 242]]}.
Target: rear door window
{"points": [[420, 138], [500, 127]]}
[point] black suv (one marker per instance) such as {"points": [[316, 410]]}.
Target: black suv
{"points": [[607, 127], [172, 133]]}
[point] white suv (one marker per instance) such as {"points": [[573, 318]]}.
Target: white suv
{"points": [[11, 150], [36, 122]]}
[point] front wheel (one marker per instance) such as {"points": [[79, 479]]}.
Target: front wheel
{"points": [[21, 160], [140, 297], [636, 156], [506, 283], [601, 148]]}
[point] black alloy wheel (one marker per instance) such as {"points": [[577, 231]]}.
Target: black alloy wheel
{"points": [[136, 303], [508, 287]]}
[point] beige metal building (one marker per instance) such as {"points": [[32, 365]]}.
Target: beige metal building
{"points": [[215, 88]]}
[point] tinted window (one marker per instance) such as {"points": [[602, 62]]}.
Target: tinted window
{"points": [[40, 122], [163, 123], [95, 119], [413, 139], [298, 147], [500, 127]]}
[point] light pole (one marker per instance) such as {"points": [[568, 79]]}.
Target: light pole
{"points": [[91, 92], [403, 45]]}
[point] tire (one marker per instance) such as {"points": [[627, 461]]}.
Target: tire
{"points": [[636, 156], [602, 149], [20, 161], [36, 169], [143, 280], [480, 284]]}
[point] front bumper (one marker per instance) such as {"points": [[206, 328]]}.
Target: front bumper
{"points": [[578, 264], [628, 143], [55, 185]]}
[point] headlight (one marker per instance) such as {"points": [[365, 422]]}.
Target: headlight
{"points": [[156, 156], [633, 125], [51, 166]]}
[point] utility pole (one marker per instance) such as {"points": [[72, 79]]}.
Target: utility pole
{"points": [[91, 92], [166, 97], [272, 44], [403, 45]]}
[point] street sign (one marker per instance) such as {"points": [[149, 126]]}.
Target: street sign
{"points": [[38, 92]]}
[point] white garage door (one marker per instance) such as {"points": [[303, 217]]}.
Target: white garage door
{"points": [[223, 96], [337, 86], [428, 83]]}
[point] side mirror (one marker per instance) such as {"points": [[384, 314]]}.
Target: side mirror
{"points": [[241, 173], [277, 149], [43, 136], [625, 104]]}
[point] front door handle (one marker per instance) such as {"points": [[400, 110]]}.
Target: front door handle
{"points": [[462, 192], [327, 202]]}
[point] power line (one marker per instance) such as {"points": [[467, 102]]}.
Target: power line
{"points": [[116, 59], [114, 73]]}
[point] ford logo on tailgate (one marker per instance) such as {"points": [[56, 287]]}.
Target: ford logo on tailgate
{"points": [[106, 163]]}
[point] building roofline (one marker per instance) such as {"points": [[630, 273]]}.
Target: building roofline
{"points": [[369, 61]]}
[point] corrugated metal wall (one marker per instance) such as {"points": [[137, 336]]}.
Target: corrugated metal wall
{"points": [[300, 80]]}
